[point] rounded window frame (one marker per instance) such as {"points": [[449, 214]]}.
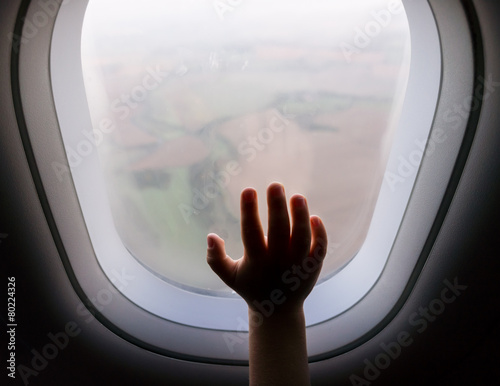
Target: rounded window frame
{"points": [[172, 338]]}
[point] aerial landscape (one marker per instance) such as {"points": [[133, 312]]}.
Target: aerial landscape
{"points": [[196, 120]]}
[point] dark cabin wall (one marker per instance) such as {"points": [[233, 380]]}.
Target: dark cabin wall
{"points": [[460, 348]]}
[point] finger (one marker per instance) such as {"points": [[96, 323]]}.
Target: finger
{"points": [[300, 242], [319, 239], [279, 223], [251, 227], [217, 259]]}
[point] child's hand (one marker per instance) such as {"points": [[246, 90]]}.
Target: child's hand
{"points": [[276, 273]]}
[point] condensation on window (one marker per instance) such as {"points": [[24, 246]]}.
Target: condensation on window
{"points": [[192, 101]]}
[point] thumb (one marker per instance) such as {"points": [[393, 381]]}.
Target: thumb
{"points": [[217, 259]]}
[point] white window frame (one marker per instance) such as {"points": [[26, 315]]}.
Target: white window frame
{"points": [[162, 323]]}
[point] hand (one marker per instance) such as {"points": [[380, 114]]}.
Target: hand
{"points": [[276, 273]]}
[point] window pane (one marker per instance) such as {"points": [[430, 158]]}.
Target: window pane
{"points": [[193, 101]]}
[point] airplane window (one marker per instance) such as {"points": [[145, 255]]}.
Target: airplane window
{"points": [[193, 101]]}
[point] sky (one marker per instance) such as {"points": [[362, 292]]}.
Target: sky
{"points": [[209, 21]]}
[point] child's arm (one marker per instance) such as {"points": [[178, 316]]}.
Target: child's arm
{"points": [[274, 277]]}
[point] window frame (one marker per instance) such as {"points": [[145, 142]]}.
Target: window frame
{"points": [[176, 338]]}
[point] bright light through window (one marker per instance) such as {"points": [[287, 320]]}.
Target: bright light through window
{"points": [[197, 100]]}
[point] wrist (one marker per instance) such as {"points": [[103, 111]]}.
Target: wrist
{"points": [[277, 348], [258, 316]]}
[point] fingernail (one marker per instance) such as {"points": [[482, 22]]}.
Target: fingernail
{"points": [[210, 242], [300, 202], [248, 195], [276, 190], [316, 221]]}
